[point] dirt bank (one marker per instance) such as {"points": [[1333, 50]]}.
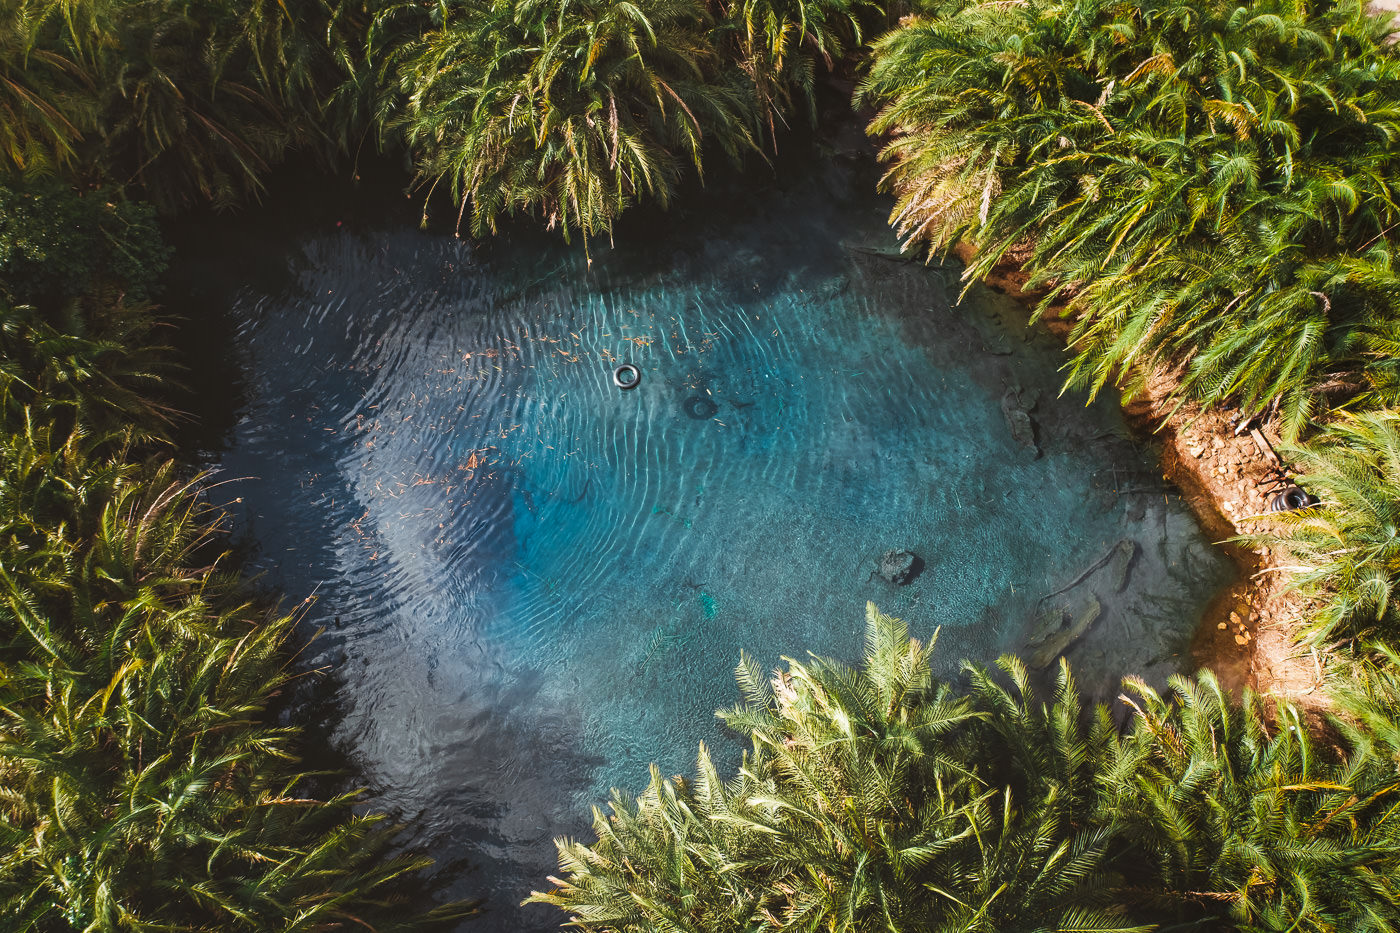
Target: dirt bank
{"points": [[1247, 634]]}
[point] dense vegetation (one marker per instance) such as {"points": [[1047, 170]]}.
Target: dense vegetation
{"points": [[188, 100], [879, 798], [143, 784], [567, 111], [1207, 188], [1347, 555], [1208, 185]]}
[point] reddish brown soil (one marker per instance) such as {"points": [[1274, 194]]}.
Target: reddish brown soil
{"points": [[1247, 634]]}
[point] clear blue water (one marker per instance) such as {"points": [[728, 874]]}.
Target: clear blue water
{"points": [[534, 584]]}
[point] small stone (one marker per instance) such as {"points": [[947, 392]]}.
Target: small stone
{"points": [[1229, 506], [1216, 444], [1220, 625], [1241, 640], [1196, 451], [1235, 618]]}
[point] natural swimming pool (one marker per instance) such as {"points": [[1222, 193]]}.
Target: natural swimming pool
{"points": [[534, 583]]}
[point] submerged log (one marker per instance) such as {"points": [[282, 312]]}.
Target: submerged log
{"points": [[1120, 563], [1122, 552], [1056, 643]]}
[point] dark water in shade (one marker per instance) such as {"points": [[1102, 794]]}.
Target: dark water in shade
{"points": [[534, 584]]}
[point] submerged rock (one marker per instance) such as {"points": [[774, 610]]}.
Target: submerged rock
{"points": [[1016, 408], [1056, 642], [1119, 560], [899, 566], [1047, 622], [882, 250], [699, 407], [997, 344], [833, 287], [1120, 563]]}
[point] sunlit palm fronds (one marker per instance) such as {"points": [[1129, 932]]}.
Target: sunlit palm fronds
{"points": [[1249, 821], [192, 101], [1208, 185], [569, 112], [873, 798], [1345, 551]]}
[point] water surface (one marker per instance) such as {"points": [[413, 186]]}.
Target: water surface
{"points": [[534, 584]]}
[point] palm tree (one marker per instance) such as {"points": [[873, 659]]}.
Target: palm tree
{"points": [[1367, 694], [193, 100], [777, 43], [141, 782], [45, 99], [95, 374], [570, 111], [1208, 186], [1247, 822]]}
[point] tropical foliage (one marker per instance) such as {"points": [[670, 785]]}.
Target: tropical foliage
{"points": [[1367, 691], [57, 244], [1344, 553], [191, 100], [1207, 186], [872, 799], [881, 798], [1210, 186], [568, 110], [777, 44], [143, 784], [572, 111], [1247, 820]]}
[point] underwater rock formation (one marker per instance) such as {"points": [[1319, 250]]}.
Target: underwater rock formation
{"points": [[1016, 407], [1120, 563], [1055, 635], [1052, 631], [699, 407], [899, 566]]}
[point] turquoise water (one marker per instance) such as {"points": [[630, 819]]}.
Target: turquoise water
{"points": [[534, 584]]}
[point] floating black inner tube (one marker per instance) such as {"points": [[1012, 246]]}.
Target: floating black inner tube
{"points": [[700, 407], [627, 376]]}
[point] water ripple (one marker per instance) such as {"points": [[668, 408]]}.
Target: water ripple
{"points": [[535, 582]]}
